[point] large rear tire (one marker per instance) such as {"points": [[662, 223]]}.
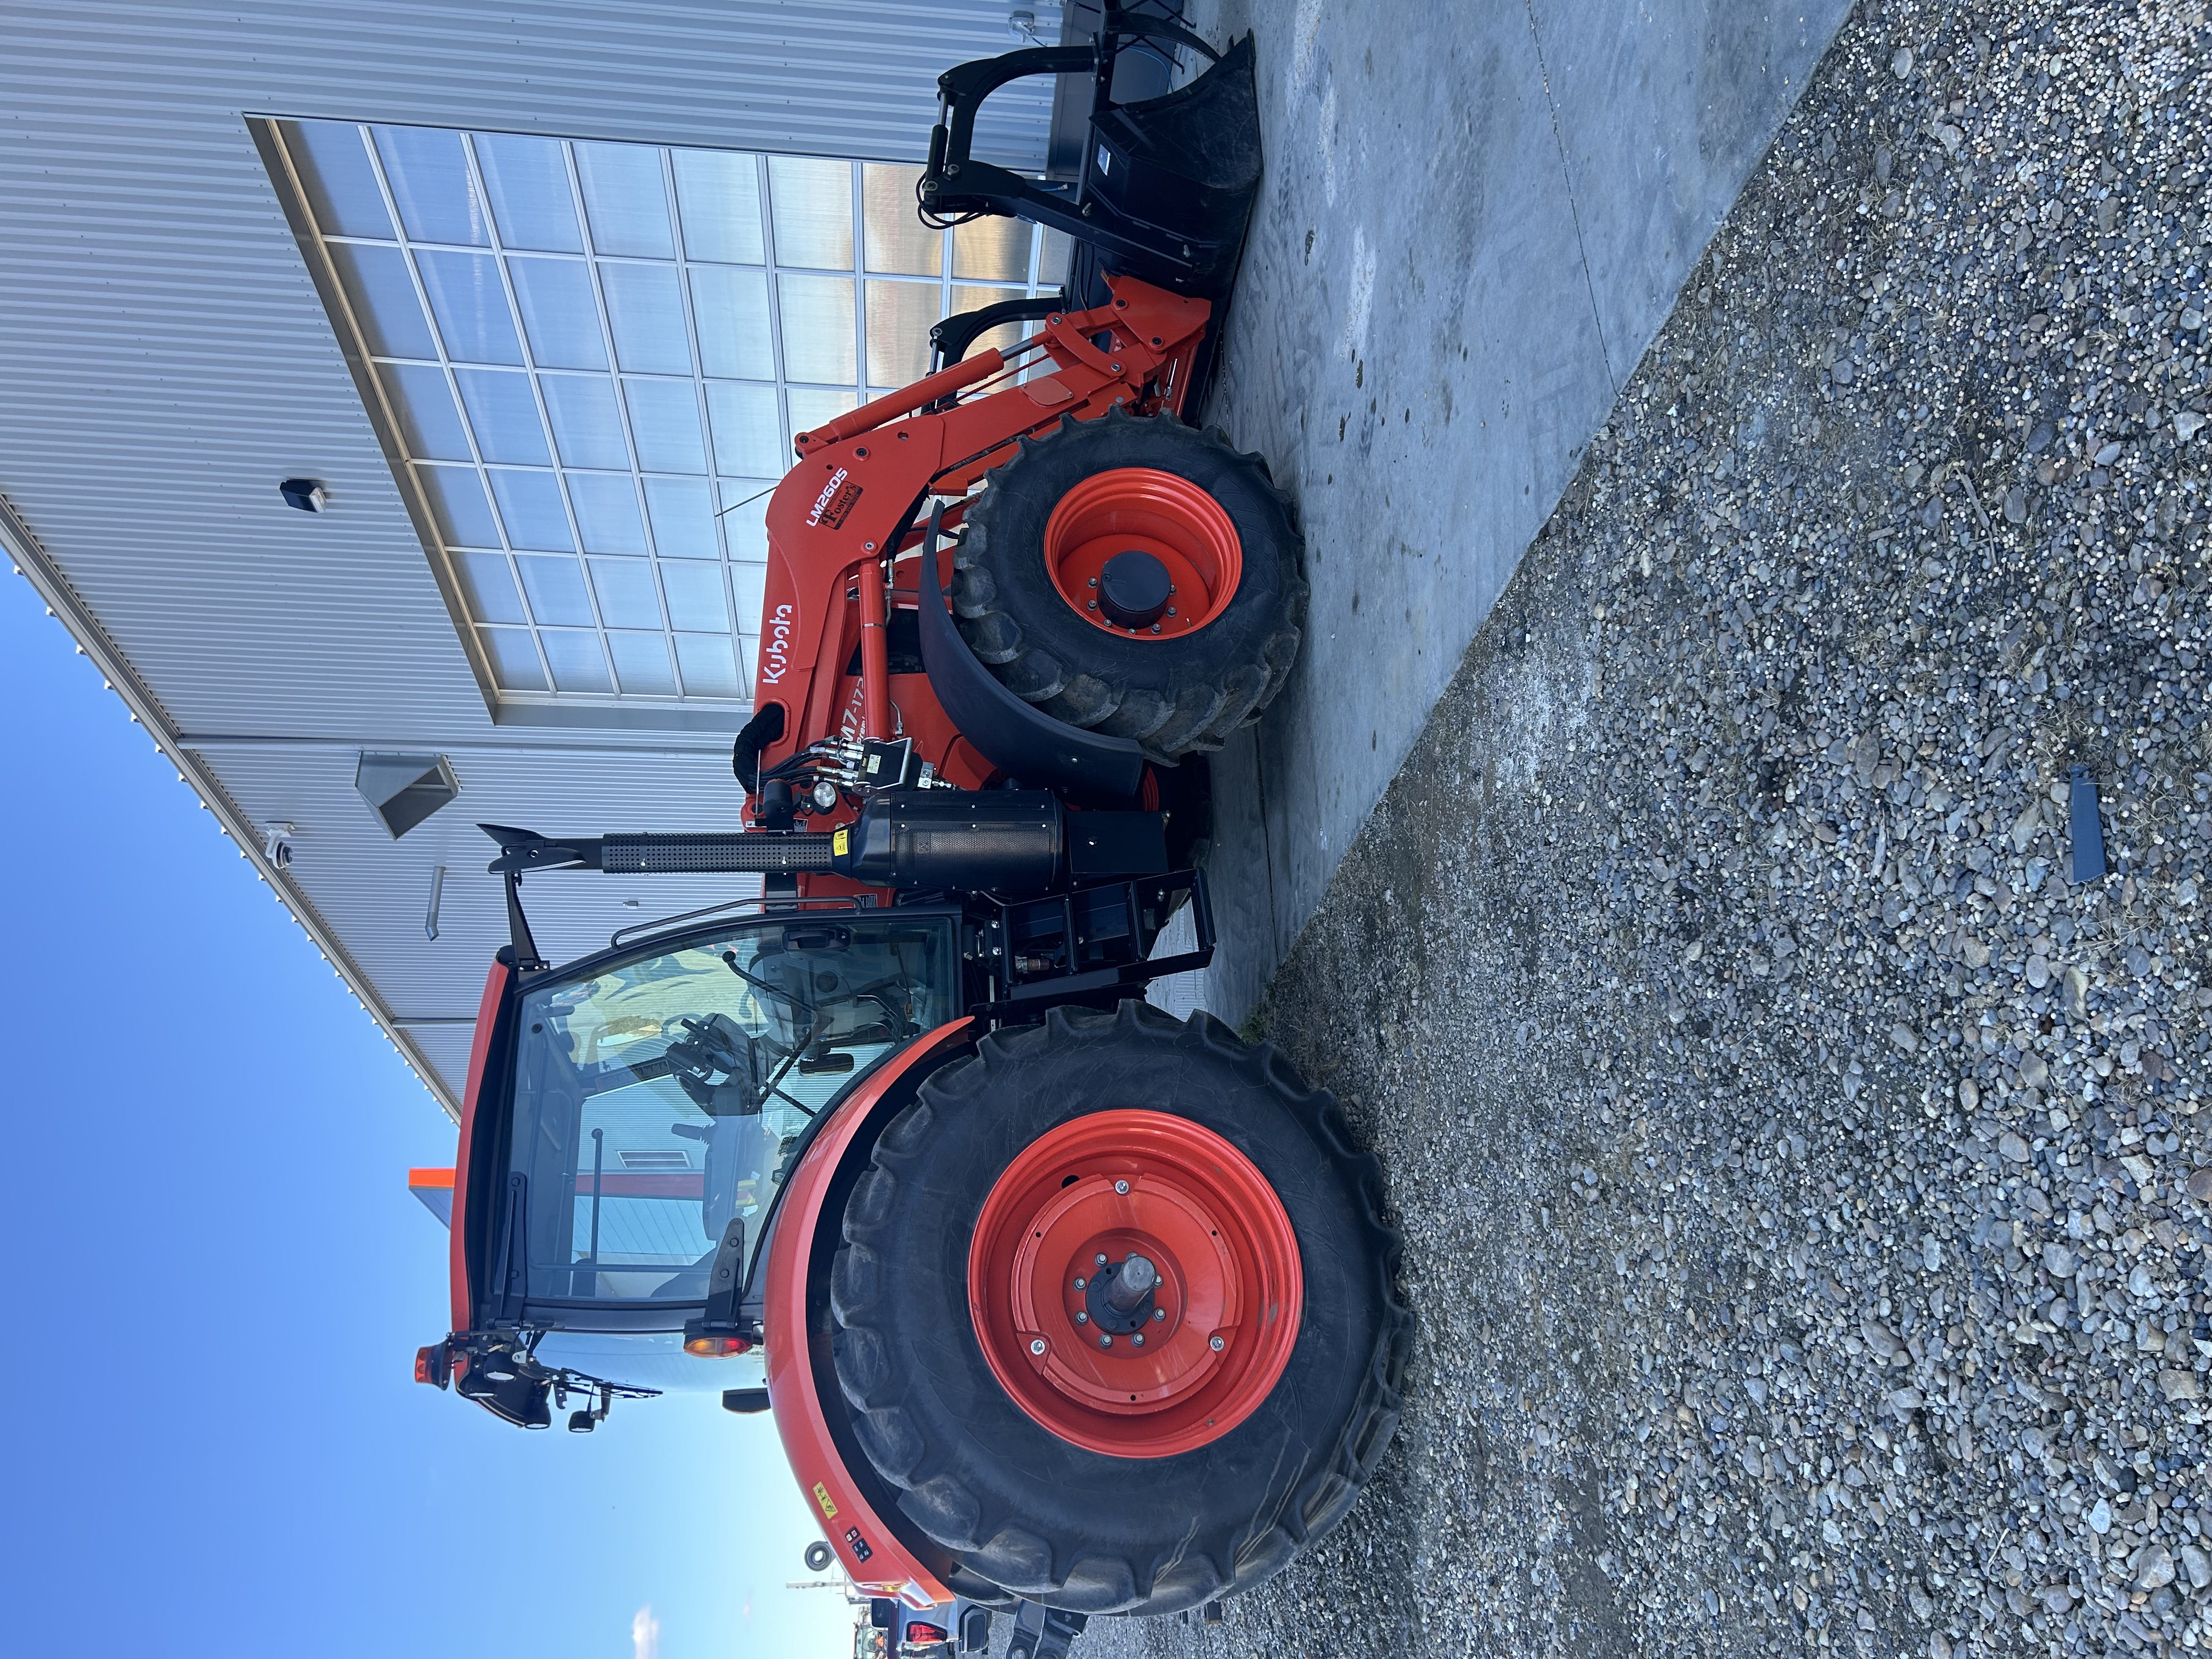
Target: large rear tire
{"points": [[1255, 1444], [1180, 681]]}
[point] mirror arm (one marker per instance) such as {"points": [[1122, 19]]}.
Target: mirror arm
{"points": [[726, 1283], [526, 959]]}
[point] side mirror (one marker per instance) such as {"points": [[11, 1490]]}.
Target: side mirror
{"points": [[582, 1422]]}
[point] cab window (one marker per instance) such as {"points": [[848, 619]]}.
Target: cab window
{"points": [[660, 1096]]}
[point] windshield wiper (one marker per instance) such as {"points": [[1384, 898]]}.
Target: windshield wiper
{"points": [[805, 1006], [775, 1085]]}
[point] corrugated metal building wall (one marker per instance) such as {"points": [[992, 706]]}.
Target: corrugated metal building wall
{"points": [[167, 360]]}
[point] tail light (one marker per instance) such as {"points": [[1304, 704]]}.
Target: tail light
{"points": [[716, 1347], [433, 1364], [918, 1631]]}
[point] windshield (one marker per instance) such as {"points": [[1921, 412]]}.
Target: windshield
{"points": [[657, 1097]]}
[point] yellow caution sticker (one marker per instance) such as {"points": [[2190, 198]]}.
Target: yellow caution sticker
{"points": [[821, 1496], [837, 842]]}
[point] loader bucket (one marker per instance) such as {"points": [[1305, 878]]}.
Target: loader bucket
{"points": [[1167, 184], [1175, 176]]}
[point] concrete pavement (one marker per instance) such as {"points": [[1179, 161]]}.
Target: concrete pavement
{"points": [[1474, 222]]}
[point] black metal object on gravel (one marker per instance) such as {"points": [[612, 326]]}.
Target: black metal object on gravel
{"points": [[2085, 825]]}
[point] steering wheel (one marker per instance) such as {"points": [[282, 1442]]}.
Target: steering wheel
{"points": [[719, 1044]]}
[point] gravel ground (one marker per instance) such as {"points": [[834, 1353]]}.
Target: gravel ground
{"points": [[1801, 1175]]}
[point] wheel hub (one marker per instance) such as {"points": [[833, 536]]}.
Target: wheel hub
{"points": [[1134, 589], [1143, 553], [1122, 1297], [1135, 1284]]}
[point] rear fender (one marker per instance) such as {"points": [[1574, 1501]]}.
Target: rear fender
{"points": [[881, 1550]]}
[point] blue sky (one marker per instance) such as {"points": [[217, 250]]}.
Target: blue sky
{"points": [[217, 1445]]}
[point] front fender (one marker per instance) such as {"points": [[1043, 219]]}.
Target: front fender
{"points": [[811, 1419]]}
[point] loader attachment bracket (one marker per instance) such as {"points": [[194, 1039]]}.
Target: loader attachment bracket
{"points": [[1167, 183], [951, 338]]}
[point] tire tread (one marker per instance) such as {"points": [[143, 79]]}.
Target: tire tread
{"points": [[1199, 714], [1001, 1548]]}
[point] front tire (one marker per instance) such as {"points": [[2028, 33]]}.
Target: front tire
{"points": [[1180, 683], [1196, 1501]]}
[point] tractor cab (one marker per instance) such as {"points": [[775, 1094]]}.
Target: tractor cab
{"points": [[631, 1121]]}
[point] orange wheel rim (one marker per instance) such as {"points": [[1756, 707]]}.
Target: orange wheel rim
{"points": [[1166, 530], [1200, 1352]]}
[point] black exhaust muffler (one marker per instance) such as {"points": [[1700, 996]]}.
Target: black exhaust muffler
{"points": [[1004, 840], [1008, 842]]}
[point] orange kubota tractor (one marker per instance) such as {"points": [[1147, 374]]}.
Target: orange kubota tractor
{"points": [[1058, 1302]]}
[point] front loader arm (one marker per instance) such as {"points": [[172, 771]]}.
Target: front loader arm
{"points": [[850, 507]]}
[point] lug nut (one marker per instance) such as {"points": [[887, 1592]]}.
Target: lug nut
{"points": [[1094, 581], [1082, 1318], [1138, 1339], [1080, 1284], [1098, 1261], [1216, 1345], [1158, 1314], [1156, 627], [1105, 1341], [1037, 1347], [1123, 1187]]}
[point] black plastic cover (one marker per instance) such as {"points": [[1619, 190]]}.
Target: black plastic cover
{"points": [[1103, 844]]}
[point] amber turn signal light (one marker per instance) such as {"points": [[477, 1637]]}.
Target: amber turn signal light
{"points": [[716, 1347], [432, 1364]]}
